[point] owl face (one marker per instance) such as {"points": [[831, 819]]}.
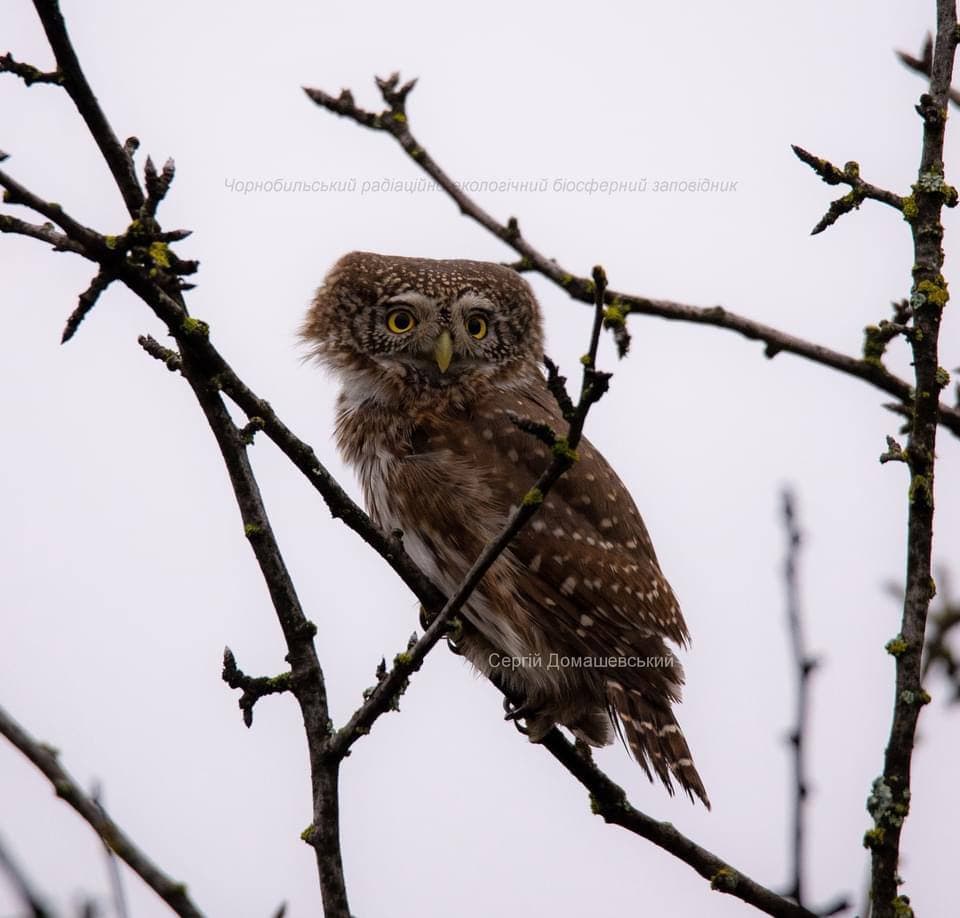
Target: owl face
{"points": [[424, 323]]}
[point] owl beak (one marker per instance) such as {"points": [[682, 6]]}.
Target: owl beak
{"points": [[443, 350]]}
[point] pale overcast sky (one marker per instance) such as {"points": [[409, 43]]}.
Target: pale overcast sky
{"points": [[125, 570]]}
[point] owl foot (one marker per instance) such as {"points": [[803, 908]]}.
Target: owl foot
{"points": [[518, 712], [454, 630]]}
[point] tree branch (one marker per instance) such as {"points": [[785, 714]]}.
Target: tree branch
{"points": [[804, 666], [151, 271], [938, 652], [394, 121], [45, 759], [43, 233], [28, 73], [889, 801], [848, 175], [609, 800], [119, 158]]}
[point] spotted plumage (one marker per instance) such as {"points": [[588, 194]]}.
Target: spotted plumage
{"points": [[434, 359]]}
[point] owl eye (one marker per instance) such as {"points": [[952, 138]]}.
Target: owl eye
{"points": [[400, 321], [477, 327]]}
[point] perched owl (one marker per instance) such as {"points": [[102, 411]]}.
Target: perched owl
{"points": [[434, 358]]}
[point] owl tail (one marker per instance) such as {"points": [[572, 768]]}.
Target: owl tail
{"points": [[656, 742]]}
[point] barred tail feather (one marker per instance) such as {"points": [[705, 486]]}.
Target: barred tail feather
{"points": [[656, 742]]}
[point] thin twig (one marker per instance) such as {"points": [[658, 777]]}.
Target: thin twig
{"points": [[27, 72], [113, 867], [395, 122], [44, 233], [848, 175], [254, 687], [944, 624], [88, 299], [45, 759], [804, 666], [94, 244], [31, 899], [924, 63]]}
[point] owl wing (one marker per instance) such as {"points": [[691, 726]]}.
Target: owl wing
{"points": [[587, 553], [583, 570]]}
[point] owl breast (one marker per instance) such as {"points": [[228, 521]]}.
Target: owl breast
{"points": [[443, 504]]}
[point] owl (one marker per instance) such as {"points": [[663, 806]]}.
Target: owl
{"points": [[435, 360]]}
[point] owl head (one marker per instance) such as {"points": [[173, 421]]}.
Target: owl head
{"points": [[423, 325]]}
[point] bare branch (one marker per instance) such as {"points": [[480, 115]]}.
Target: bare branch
{"points": [[168, 357], [889, 800], [22, 885], [609, 800], [254, 687], [804, 666], [44, 233], [620, 305], [894, 452], [118, 158], [939, 652], [45, 759], [28, 73], [142, 261], [94, 245], [88, 300], [848, 175]]}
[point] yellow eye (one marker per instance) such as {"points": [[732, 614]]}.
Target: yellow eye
{"points": [[400, 321], [477, 327]]}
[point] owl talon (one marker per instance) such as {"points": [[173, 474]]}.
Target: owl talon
{"points": [[519, 712], [455, 636]]}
